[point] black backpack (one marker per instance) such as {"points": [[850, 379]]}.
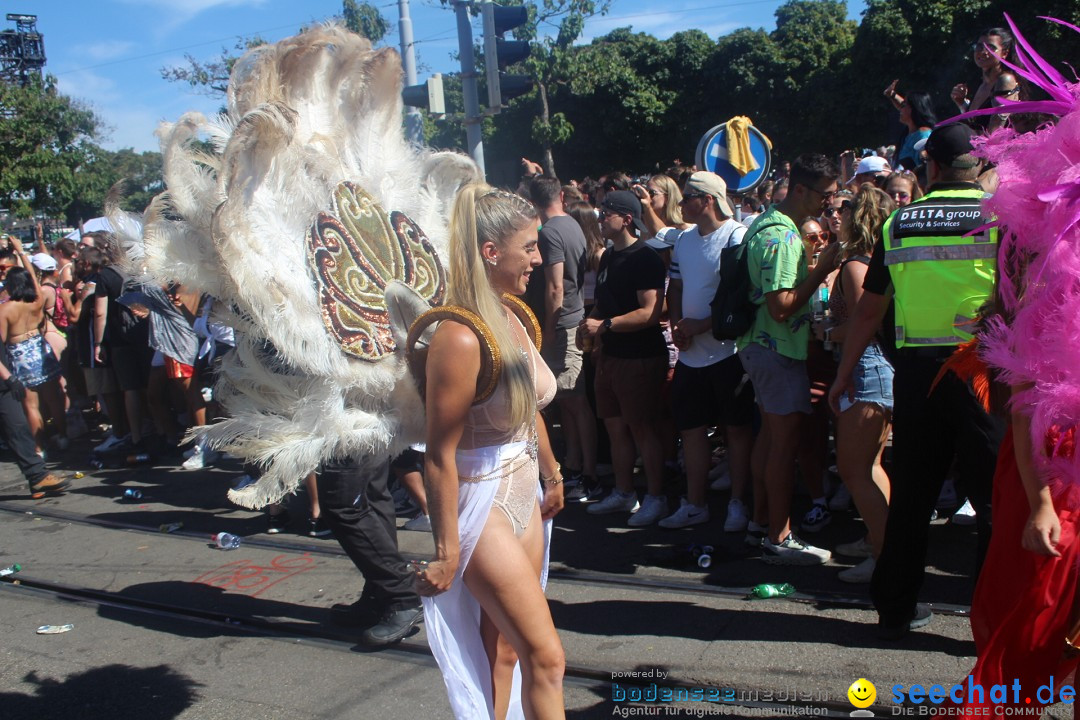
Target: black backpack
{"points": [[732, 310]]}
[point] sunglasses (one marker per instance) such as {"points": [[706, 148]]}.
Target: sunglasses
{"points": [[691, 196], [611, 213], [984, 48], [654, 193], [902, 195], [826, 195], [817, 237]]}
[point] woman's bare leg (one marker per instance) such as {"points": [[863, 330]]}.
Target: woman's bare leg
{"points": [[861, 432], [503, 575]]}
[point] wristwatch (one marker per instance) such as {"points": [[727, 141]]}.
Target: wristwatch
{"points": [[607, 324]]}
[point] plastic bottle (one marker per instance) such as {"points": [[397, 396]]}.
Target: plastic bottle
{"points": [[10, 570], [226, 541], [132, 494], [138, 459], [771, 591], [820, 302]]}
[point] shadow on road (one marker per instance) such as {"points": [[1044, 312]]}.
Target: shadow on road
{"points": [[104, 693]]}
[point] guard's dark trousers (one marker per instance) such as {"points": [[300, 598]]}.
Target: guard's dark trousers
{"points": [[931, 431], [357, 506]]}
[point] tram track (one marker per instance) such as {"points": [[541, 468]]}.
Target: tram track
{"points": [[329, 638], [642, 582]]}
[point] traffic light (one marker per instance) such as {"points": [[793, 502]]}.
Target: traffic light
{"points": [[500, 54], [428, 95]]}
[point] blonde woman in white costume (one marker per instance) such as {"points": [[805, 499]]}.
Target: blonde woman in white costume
{"points": [[491, 478]]}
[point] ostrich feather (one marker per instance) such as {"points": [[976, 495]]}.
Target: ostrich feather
{"points": [[1037, 206], [303, 116]]}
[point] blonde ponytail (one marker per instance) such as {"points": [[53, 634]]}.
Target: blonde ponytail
{"points": [[483, 214]]}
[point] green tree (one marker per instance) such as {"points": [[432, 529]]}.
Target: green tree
{"points": [[210, 77], [142, 176], [47, 149], [552, 64], [364, 19]]}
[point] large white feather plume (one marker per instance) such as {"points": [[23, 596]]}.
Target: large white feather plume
{"points": [[304, 114]]}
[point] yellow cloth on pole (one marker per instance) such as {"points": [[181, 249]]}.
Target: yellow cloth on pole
{"points": [[738, 144]]}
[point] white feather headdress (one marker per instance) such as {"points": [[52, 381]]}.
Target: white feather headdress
{"points": [[306, 116]]}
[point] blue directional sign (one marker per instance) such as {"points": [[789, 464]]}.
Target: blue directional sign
{"points": [[712, 155]]}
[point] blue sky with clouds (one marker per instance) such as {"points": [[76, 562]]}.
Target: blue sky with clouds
{"points": [[108, 53]]}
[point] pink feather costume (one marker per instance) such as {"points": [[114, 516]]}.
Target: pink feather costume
{"points": [[1023, 604]]}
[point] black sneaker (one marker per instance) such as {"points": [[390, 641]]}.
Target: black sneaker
{"points": [[363, 613], [317, 528], [921, 618], [392, 627], [278, 523]]}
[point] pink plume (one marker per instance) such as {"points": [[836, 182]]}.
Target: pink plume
{"points": [[1037, 209]]}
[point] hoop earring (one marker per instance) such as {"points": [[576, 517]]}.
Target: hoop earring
{"points": [[491, 261]]}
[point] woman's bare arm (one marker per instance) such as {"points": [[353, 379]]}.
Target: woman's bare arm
{"points": [[453, 364]]}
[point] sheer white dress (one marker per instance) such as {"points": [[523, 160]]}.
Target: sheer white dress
{"points": [[497, 468]]}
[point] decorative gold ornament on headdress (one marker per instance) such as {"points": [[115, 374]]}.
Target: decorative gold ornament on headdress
{"points": [[356, 250]]}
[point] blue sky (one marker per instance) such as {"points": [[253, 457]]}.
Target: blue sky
{"points": [[108, 53]]}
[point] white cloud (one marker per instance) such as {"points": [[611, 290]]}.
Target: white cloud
{"points": [[97, 52], [178, 12], [89, 87], [658, 24]]}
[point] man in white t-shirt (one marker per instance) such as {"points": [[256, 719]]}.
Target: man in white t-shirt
{"points": [[710, 386]]}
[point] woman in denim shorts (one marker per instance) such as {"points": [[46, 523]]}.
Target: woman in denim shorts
{"points": [[865, 420]]}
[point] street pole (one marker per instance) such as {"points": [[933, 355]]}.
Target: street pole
{"points": [[473, 119], [414, 123]]}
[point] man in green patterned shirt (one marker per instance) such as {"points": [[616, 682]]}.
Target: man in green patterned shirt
{"points": [[773, 352]]}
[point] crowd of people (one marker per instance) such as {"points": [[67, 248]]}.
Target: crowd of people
{"points": [[863, 275]]}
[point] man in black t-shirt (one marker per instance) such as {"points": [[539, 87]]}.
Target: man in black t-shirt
{"points": [[631, 361]]}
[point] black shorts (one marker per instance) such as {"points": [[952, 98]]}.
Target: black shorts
{"points": [[718, 394], [131, 365]]}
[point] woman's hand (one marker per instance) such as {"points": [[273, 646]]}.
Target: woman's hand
{"points": [[891, 90], [959, 95], [435, 577], [553, 501], [1043, 531]]}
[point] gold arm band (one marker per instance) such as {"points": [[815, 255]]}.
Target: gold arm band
{"points": [[554, 478], [490, 358], [525, 314]]}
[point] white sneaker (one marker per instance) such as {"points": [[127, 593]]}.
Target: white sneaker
{"points": [[420, 523], [653, 507], [111, 442], [793, 551], [841, 500], [201, 458], [965, 515], [615, 502], [755, 534], [737, 519], [859, 574], [685, 516], [860, 548], [190, 451]]}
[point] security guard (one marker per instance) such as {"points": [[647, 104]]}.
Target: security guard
{"points": [[938, 275]]}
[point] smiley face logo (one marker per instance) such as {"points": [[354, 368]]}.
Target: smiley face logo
{"points": [[862, 693]]}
